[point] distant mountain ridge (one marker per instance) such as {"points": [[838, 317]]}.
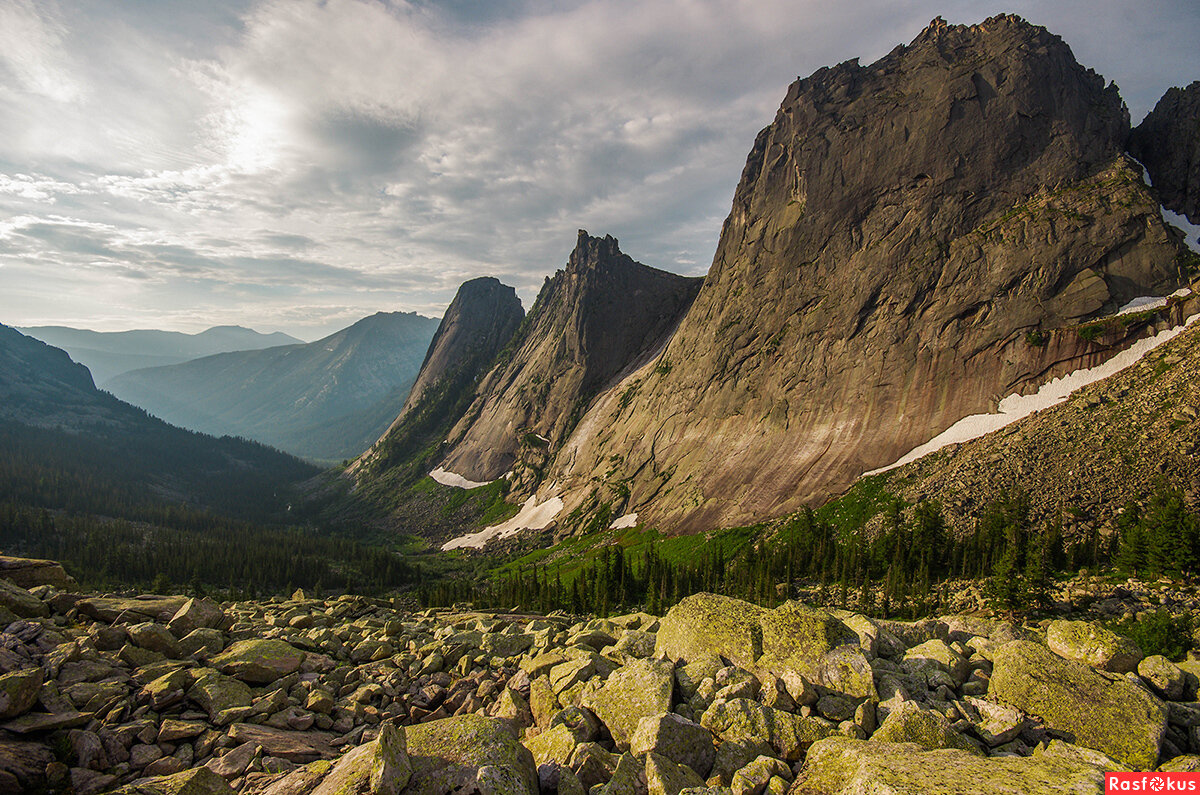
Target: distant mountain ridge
{"points": [[110, 353], [325, 400], [56, 428]]}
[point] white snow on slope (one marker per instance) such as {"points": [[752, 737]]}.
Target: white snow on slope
{"points": [[624, 522], [458, 481], [1191, 231], [1016, 407], [1148, 302], [532, 516]]}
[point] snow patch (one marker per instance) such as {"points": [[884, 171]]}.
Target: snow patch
{"points": [[624, 522], [532, 516], [457, 481], [1191, 231], [1016, 407], [1148, 302]]}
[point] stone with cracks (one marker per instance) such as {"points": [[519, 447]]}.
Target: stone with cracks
{"points": [[1090, 643], [634, 691], [1102, 711], [910, 724], [259, 661], [469, 752], [380, 767], [744, 719], [676, 738]]}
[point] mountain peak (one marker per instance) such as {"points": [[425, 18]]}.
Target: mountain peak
{"points": [[591, 252]]}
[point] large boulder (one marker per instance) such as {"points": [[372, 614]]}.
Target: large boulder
{"points": [[31, 572], [19, 692], [380, 767], [677, 738], [149, 608], [258, 660], [634, 691], [908, 723], [1091, 643], [744, 719], [197, 781], [196, 614], [469, 752], [845, 766], [217, 693], [21, 602], [791, 639], [1099, 710]]}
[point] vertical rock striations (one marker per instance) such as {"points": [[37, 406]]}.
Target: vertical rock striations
{"points": [[1167, 142], [593, 322], [898, 232], [478, 324]]}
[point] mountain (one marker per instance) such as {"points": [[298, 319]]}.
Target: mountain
{"points": [[910, 241], [65, 444], [1167, 142], [599, 318], [324, 400], [478, 324], [110, 353]]}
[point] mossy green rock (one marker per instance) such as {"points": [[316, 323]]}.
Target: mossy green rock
{"points": [[705, 624], [197, 781], [380, 767], [1091, 643], [258, 660], [792, 638], [665, 777], [676, 738], [910, 724], [844, 766], [1102, 711], [19, 692], [471, 752], [554, 745], [632, 692], [215, 692], [745, 719]]}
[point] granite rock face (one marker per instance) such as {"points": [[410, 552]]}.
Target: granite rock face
{"points": [[1167, 142], [480, 321], [593, 322], [898, 231]]}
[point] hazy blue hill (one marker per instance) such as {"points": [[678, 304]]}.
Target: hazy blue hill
{"points": [[325, 400], [110, 353], [65, 444]]}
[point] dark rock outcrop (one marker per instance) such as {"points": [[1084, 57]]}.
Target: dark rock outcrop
{"points": [[1167, 142], [901, 232], [600, 318], [478, 324]]}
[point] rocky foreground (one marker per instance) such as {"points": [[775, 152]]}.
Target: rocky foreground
{"points": [[170, 695]]}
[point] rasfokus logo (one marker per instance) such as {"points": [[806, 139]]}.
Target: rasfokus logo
{"points": [[1151, 782]]}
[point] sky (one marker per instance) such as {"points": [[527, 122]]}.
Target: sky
{"points": [[295, 165]]}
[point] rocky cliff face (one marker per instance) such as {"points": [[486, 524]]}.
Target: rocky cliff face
{"points": [[593, 322], [478, 324], [901, 233], [1168, 144]]}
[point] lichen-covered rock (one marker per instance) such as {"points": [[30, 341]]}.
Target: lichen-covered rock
{"points": [[196, 614], [1091, 643], [380, 767], [259, 660], [744, 719], [469, 751], [150, 608], [197, 781], [844, 766], [632, 692], [937, 655], [19, 692], [554, 745], [21, 602], [216, 693], [753, 778], [665, 777], [676, 738], [1163, 676], [155, 637], [705, 625], [930, 730], [1102, 711], [795, 637]]}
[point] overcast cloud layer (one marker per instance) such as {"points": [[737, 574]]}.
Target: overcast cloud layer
{"points": [[296, 165]]}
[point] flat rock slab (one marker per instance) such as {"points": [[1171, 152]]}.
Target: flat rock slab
{"points": [[31, 572], [297, 747], [154, 608], [34, 722], [843, 766]]}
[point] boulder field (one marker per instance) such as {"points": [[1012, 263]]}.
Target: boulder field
{"points": [[173, 695]]}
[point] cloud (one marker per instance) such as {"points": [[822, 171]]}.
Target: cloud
{"points": [[349, 156]]}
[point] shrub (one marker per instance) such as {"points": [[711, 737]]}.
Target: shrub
{"points": [[1161, 633]]}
